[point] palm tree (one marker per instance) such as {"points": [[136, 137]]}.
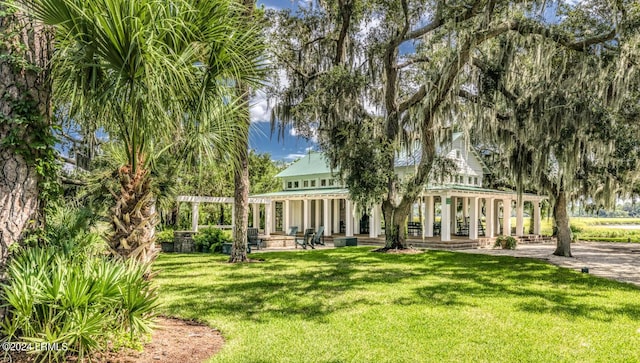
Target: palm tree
{"points": [[155, 74]]}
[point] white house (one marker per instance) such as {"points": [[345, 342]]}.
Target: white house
{"points": [[312, 196]]}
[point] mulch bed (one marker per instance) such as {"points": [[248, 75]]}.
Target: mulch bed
{"points": [[174, 340]]}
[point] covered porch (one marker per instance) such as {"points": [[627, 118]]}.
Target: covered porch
{"points": [[445, 214]]}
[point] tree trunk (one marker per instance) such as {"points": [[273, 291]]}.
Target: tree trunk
{"points": [[395, 219], [241, 172], [24, 97], [133, 217], [241, 204], [563, 247]]}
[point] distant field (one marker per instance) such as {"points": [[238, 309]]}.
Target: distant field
{"points": [[606, 229]]}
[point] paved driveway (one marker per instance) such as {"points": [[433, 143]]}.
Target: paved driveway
{"points": [[617, 261]]}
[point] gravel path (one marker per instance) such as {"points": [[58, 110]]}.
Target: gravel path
{"points": [[616, 261]]}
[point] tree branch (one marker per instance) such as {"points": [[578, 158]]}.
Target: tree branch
{"points": [[438, 21], [423, 59], [413, 100]]}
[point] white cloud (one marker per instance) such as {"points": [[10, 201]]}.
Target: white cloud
{"points": [[294, 156], [260, 111], [310, 148]]}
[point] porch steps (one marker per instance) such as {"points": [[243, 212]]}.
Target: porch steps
{"points": [[437, 245]]}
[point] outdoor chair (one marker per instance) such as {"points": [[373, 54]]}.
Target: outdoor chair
{"points": [[292, 231], [311, 239], [304, 240], [318, 238], [436, 228], [252, 238]]}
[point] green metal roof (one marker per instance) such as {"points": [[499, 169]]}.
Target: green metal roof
{"points": [[312, 163]]}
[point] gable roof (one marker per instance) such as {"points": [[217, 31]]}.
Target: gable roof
{"points": [[312, 163], [316, 163]]}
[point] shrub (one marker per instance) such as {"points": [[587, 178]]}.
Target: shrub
{"points": [[210, 240], [79, 303], [506, 242], [164, 236]]}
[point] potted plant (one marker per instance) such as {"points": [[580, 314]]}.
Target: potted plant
{"points": [[165, 238], [506, 242]]}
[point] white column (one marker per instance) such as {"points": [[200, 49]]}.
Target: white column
{"points": [[286, 221], [194, 216], [318, 214], [356, 219], [445, 229], [536, 217], [306, 214], [465, 208], [490, 217], [336, 216], [326, 217], [473, 218], [428, 217], [379, 224], [348, 218], [453, 214], [506, 217], [373, 220], [255, 210], [519, 217], [267, 219]]}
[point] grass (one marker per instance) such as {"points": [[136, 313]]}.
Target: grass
{"points": [[352, 305], [605, 229]]}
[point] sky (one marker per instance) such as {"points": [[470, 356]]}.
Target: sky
{"points": [[286, 149]]}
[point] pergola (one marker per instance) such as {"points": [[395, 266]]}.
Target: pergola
{"points": [[254, 202]]}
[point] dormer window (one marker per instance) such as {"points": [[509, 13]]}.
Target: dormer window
{"points": [[296, 185], [475, 181], [323, 182], [330, 182], [469, 180], [313, 183], [458, 154], [306, 183], [289, 185]]}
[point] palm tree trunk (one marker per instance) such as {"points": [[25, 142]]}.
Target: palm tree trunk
{"points": [[24, 95], [241, 204], [241, 172], [134, 218]]}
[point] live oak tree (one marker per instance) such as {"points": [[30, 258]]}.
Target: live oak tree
{"points": [[391, 74], [153, 74], [555, 112]]}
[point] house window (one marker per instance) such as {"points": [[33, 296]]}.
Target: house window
{"points": [[469, 180], [296, 184], [288, 185], [313, 183], [330, 182], [458, 154], [306, 183], [323, 182], [475, 180]]}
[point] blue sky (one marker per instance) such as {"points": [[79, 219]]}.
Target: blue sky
{"points": [[261, 140]]}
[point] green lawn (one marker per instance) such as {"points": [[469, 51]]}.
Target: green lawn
{"points": [[353, 305]]}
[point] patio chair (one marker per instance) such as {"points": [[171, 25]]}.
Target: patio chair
{"points": [[252, 238], [304, 240], [318, 237], [292, 231], [311, 238]]}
